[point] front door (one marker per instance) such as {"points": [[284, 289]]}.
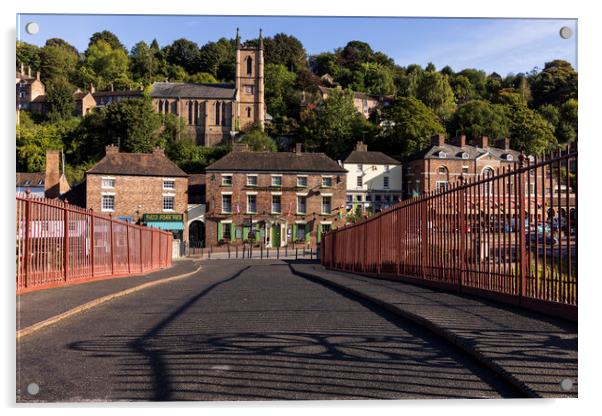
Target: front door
{"points": [[276, 235]]}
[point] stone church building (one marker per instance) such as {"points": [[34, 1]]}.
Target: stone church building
{"points": [[213, 113]]}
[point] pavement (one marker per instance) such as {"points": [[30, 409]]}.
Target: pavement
{"points": [[534, 352], [38, 306], [245, 330]]}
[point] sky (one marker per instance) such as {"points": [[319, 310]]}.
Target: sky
{"points": [[493, 45]]}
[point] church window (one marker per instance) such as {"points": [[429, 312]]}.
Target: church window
{"points": [[217, 117], [223, 114], [190, 119], [160, 106], [196, 112], [249, 112], [249, 65]]}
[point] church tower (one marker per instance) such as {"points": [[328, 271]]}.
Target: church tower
{"points": [[249, 84]]}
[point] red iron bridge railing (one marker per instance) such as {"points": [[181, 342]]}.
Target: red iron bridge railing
{"points": [[58, 244], [510, 235]]}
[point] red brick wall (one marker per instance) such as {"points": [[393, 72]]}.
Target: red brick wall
{"points": [[132, 191], [264, 191]]}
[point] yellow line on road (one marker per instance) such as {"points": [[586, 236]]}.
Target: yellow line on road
{"points": [[99, 301]]}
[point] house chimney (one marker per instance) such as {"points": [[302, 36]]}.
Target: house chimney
{"points": [[111, 149], [158, 151], [112, 88], [92, 89], [298, 148], [22, 72], [507, 143], [462, 140], [240, 147], [361, 147], [28, 71], [483, 142], [438, 140], [38, 75], [52, 177]]}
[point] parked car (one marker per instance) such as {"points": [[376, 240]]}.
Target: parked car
{"points": [[538, 238]]}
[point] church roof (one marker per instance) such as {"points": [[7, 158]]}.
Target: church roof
{"points": [[191, 90]]}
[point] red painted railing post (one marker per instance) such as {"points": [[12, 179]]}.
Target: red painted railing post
{"points": [[140, 238], [112, 245], [65, 242], [27, 238], [521, 229], [462, 230], [127, 239], [92, 241]]}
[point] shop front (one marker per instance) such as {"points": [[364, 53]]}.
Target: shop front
{"points": [[168, 222]]}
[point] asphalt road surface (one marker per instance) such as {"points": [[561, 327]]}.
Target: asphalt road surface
{"points": [[244, 330]]}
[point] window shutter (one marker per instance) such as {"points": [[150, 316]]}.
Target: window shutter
{"points": [[232, 232], [294, 232], [245, 232], [307, 231], [319, 232], [220, 233]]}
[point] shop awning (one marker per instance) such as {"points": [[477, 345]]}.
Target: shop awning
{"points": [[166, 225]]}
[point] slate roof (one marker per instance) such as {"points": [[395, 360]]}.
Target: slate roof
{"points": [[30, 179], [455, 152], [190, 90], [247, 161], [133, 93], [137, 164], [370, 158]]}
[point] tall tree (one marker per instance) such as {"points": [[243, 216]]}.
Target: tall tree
{"points": [[434, 90], [28, 55], [555, 84], [144, 63], [530, 132], [59, 98], [377, 79], [408, 126], [279, 89], [480, 118], [185, 54], [106, 63], [258, 140], [57, 62], [286, 50], [108, 37], [333, 125]]}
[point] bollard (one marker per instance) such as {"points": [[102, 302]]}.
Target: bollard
{"points": [[311, 254], [278, 252], [261, 252], [236, 247], [267, 253], [286, 251], [243, 251], [228, 250], [296, 253], [251, 251]]}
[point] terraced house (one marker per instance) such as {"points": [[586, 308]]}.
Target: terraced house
{"points": [[284, 197]]}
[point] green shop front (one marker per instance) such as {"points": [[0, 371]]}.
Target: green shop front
{"points": [[168, 222]]}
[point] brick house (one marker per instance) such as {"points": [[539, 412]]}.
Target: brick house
{"points": [[363, 103], [288, 197], [443, 163], [140, 187]]}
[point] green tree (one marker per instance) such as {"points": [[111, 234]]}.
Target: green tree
{"points": [[32, 142], [185, 54], [285, 50], [279, 89], [555, 84], [567, 128], [478, 80], [62, 44], [218, 59], [333, 126], [144, 63], [480, 118], [202, 78], [377, 79], [408, 126], [57, 62], [258, 140], [434, 90], [59, 98], [107, 63], [324, 63], [28, 55], [462, 88], [108, 37], [530, 132]]}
